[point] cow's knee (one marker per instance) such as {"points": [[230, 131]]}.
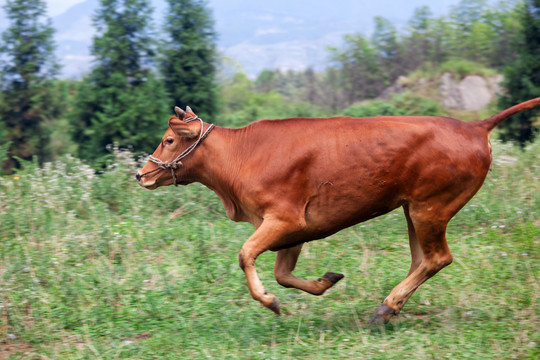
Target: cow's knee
{"points": [[440, 261], [241, 260], [436, 263], [245, 259], [446, 260]]}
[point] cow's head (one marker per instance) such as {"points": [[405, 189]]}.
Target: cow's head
{"points": [[166, 165]]}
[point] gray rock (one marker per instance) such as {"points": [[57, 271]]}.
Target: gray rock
{"points": [[449, 90], [473, 93]]}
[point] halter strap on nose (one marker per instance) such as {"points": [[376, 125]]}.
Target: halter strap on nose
{"points": [[173, 165]]}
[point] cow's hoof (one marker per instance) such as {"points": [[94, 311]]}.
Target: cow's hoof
{"points": [[378, 320], [383, 314], [333, 277], [274, 306]]}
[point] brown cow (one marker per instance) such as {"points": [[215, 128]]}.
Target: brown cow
{"points": [[298, 180]]}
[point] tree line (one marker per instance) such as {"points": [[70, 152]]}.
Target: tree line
{"points": [[126, 96], [135, 80]]}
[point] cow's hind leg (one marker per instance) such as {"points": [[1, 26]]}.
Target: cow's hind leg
{"points": [[416, 250], [431, 235], [285, 263]]}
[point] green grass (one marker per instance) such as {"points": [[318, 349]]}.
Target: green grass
{"points": [[94, 267]]}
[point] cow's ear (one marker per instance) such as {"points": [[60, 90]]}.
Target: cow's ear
{"points": [[179, 112], [181, 128]]}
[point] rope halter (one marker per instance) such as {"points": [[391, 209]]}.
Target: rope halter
{"points": [[173, 165]]}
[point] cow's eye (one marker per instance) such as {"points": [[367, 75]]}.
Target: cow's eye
{"points": [[169, 141]]}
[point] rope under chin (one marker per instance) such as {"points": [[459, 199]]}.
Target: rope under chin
{"points": [[174, 164]]}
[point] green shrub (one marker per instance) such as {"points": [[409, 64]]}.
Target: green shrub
{"points": [[456, 66], [271, 105], [463, 67], [400, 104], [4, 154]]}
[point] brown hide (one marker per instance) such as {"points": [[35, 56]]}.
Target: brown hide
{"points": [[298, 180]]}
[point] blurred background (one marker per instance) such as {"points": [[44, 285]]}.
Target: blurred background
{"points": [[80, 75], [94, 267]]}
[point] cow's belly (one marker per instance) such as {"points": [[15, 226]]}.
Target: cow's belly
{"points": [[333, 209]]}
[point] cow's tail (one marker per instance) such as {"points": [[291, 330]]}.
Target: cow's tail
{"points": [[491, 122]]}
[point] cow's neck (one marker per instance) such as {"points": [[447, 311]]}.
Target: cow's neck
{"points": [[219, 162]]}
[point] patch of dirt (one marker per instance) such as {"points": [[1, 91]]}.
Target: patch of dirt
{"points": [[144, 335], [9, 349]]}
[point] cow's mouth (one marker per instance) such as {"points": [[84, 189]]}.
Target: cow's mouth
{"points": [[150, 185]]}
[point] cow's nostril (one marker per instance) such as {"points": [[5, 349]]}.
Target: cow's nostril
{"points": [[138, 177]]}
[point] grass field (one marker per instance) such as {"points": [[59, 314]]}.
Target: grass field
{"points": [[94, 267]]}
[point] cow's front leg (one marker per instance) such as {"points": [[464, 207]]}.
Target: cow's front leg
{"points": [[270, 234], [285, 264]]}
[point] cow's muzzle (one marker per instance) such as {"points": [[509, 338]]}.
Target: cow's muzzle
{"points": [[146, 184]]}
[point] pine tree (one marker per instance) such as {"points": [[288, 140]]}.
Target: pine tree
{"points": [[360, 70], [522, 78], [188, 62], [384, 40], [27, 68], [417, 45], [120, 102]]}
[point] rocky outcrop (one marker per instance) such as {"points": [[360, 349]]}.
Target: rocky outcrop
{"points": [[472, 93]]}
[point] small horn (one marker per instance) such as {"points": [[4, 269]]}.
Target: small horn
{"points": [[179, 112], [188, 109]]}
